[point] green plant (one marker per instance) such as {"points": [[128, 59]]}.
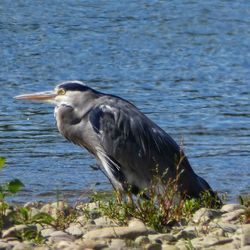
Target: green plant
{"points": [[6, 189], [189, 245], [63, 219], [245, 201], [23, 215], [163, 207]]}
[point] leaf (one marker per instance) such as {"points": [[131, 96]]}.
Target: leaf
{"points": [[24, 211], [14, 186], [42, 218], [2, 162]]}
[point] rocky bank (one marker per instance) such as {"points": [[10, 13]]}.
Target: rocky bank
{"points": [[207, 229]]}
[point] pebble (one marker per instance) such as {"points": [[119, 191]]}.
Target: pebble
{"points": [[245, 240], [160, 238], [5, 246], [92, 244], [116, 232], [117, 244], [234, 215], [209, 229], [209, 241], [187, 233], [231, 207], [169, 247], [65, 245], [204, 215], [47, 232], [153, 246], [226, 227], [23, 246], [142, 240], [104, 221], [75, 230], [16, 230], [60, 236]]}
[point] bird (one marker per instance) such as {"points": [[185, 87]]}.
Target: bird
{"points": [[129, 146]]}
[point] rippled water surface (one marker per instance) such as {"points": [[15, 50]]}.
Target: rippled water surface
{"points": [[186, 64]]}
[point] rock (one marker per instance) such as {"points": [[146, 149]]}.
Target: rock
{"points": [[209, 241], [231, 207], [228, 246], [82, 220], [196, 243], [117, 232], [33, 211], [55, 208], [91, 244], [17, 230], [226, 227], [47, 232], [169, 247], [204, 215], [236, 242], [93, 205], [142, 240], [184, 246], [33, 204], [89, 210], [23, 246], [190, 232], [89, 226], [245, 240], [231, 216], [12, 240], [104, 221], [117, 244], [75, 230], [5, 246], [218, 232], [136, 223], [65, 245], [41, 248], [160, 238], [60, 236], [245, 248], [153, 246]]}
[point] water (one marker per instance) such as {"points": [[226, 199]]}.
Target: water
{"points": [[186, 64]]}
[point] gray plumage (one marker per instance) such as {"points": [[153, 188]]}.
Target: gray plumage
{"points": [[129, 146]]}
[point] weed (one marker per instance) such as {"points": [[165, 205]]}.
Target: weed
{"points": [[6, 189], [163, 207], [245, 201], [189, 245], [64, 219]]}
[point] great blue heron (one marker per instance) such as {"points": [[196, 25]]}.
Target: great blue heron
{"points": [[129, 146]]}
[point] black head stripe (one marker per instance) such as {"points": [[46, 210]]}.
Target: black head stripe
{"points": [[73, 86]]}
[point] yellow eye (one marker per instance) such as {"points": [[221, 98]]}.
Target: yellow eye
{"points": [[61, 91]]}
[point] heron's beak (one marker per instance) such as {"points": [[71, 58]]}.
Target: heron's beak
{"points": [[48, 96]]}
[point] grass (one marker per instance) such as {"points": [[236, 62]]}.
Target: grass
{"points": [[164, 207], [160, 211], [6, 189], [245, 201]]}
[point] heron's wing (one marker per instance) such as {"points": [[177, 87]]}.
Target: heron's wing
{"points": [[132, 140]]}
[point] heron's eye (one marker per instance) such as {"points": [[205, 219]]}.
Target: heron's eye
{"points": [[61, 91]]}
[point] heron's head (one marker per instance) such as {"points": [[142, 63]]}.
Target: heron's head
{"points": [[69, 93]]}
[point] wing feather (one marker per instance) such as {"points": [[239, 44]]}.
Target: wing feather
{"points": [[133, 141]]}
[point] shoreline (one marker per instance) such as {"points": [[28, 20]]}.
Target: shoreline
{"points": [[85, 227]]}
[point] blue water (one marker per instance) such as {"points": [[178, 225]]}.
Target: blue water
{"points": [[186, 64]]}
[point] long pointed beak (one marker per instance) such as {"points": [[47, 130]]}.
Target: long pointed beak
{"points": [[39, 96]]}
